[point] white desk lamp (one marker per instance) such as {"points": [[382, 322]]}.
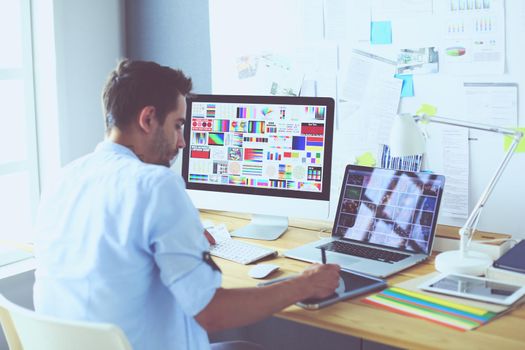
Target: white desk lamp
{"points": [[407, 139]]}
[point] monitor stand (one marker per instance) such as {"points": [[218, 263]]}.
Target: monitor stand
{"points": [[264, 227]]}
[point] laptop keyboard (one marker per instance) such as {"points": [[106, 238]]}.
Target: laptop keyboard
{"points": [[364, 252]]}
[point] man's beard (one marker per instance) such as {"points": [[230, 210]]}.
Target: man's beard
{"points": [[163, 148]]}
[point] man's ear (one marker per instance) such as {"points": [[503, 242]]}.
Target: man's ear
{"points": [[146, 119]]}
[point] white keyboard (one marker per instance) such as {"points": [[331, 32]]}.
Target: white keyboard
{"points": [[240, 252]]}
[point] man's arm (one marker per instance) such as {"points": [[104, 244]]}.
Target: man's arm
{"points": [[237, 307]]}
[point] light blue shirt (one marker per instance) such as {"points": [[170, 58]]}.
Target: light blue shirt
{"points": [[119, 241]]}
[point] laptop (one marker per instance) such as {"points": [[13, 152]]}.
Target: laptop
{"points": [[385, 221]]}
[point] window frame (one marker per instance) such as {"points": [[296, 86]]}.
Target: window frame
{"points": [[25, 74]]}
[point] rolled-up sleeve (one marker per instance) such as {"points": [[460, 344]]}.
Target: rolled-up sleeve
{"points": [[177, 243], [196, 289]]}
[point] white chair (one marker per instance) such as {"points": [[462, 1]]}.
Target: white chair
{"points": [[28, 330]]}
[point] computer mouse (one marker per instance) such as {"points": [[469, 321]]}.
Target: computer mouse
{"points": [[262, 270]]}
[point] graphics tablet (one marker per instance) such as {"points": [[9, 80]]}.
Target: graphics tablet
{"points": [[350, 284], [477, 288]]}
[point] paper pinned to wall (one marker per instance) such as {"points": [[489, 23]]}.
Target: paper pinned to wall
{"points": [[282, 72], [399, 8], [448, 154], [309, 88], [456, 170], [347, 20], [370, 91], [473, 37], [380, 109], [233, 35], [258, 59], [412, 22], [413, 26], [319, 61], [326, 85], [350, 136], [267, 74], [362, 72], [492, 103]]}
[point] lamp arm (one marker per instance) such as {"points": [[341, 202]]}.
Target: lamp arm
{"points": [[468, 229], [465, 124]]}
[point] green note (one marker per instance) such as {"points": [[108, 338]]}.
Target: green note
{"points": [[427, 109], [366, 159], [508, 140]]}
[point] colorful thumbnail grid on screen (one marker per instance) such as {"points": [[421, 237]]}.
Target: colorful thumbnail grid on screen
{"points": [[258, 145], [391, 210]]}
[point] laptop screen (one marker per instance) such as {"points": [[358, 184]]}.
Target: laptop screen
{"points": [[390, 208]]}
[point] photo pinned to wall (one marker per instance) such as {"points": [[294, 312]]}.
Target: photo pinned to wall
{"points": [[269, 74], [423, 60], [247, 66]]}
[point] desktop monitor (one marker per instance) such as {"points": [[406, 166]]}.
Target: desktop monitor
{"points": [[269, 156]]}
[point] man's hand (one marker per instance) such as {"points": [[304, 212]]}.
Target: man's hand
{"points": [[231, 308], [209, 237], [320, 280]]}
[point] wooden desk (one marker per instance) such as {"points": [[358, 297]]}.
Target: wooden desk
{"points": [[364, 321]]}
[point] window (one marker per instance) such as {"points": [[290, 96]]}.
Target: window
{"points": [[19, 180]]}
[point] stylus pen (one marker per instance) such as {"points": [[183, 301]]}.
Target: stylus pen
{"points": [[323, 255]]}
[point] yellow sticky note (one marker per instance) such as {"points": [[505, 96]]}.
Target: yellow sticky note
{"points": [[366, 159], [521, 146], [427, 109]]}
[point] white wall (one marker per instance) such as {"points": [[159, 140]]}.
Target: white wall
{"points": [[87, 39], [77, 44], [343, 25], [504, 209]]}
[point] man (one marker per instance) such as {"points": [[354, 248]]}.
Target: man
{"points": [[119, 241]]}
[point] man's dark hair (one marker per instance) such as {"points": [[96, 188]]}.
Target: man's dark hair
{"points": [[134, 85]]}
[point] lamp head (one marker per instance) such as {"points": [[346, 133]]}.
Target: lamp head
{"points": [[406, 139]]}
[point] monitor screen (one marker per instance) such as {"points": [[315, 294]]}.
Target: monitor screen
{"points": [[266, 155], [391, 208], [265, 145]]}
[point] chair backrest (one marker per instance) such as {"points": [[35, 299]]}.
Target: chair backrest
{"points": [[9, 330], [28, 330]]}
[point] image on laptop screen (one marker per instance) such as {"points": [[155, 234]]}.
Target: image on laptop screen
{"points": [[390, 208]]}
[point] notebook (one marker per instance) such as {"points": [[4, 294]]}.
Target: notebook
{"points": [[455, 312], [514, 259], [385, 221]]}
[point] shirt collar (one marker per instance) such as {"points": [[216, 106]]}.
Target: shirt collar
{"points": [[110, 146]]}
